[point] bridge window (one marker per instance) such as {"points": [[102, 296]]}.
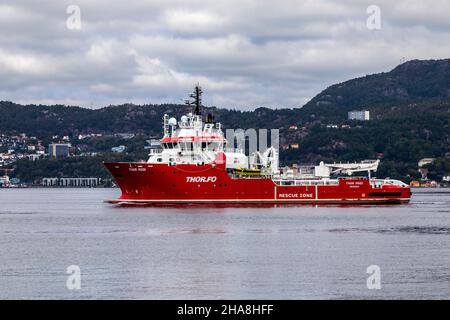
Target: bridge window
{"points": [[186, 146], [170, 145]]}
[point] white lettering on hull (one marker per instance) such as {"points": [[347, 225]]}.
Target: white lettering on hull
{"points": [[201, 179], [295, 195]]}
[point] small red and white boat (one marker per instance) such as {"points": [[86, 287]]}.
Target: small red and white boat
{"points": [[194, 165]]}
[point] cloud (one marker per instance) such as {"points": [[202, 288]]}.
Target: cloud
{"points": [[245, 53], [193, 22], [22, 64]]}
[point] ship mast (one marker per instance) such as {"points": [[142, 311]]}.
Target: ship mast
{"points": [[197, 96]]}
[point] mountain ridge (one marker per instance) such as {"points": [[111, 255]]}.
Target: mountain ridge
{"points": [[413, 81]]}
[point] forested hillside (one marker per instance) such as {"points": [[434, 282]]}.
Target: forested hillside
{"points": [[409, 109]]}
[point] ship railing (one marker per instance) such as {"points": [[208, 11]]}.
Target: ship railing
{"points": [[393, 182], [240, 177], [234, 150], [295, 182]]}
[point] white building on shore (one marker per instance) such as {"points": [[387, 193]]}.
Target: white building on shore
{"points": [[71, 182], [363, 115]]}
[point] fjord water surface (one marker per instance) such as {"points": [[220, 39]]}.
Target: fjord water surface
{"points": [[200, 252]]}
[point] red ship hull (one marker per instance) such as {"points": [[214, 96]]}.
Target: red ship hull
{"points": [[210, 183]]}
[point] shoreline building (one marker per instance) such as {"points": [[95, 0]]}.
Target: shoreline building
{"points": [[71, 182], [4, 181], [361, 115]]}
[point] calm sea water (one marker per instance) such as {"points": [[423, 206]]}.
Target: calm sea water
{"points": [[192, 252]]}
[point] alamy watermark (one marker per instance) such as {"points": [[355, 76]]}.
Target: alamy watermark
{"points": [[73, 22], [248, 141], [374, 278], [373, 21], [73, 281], [252, 140]]}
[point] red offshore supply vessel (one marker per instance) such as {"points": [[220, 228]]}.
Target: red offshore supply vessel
{"points": [[195, 165]]}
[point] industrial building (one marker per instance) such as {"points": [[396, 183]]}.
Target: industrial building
{"points": [[363, 115], [58, 150], [71, 182]]}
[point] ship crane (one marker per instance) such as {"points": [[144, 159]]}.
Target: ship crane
{"points": [[266, 160], [326, 169]]}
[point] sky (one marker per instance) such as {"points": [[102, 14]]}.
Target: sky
{"points": [[244, 53]]}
